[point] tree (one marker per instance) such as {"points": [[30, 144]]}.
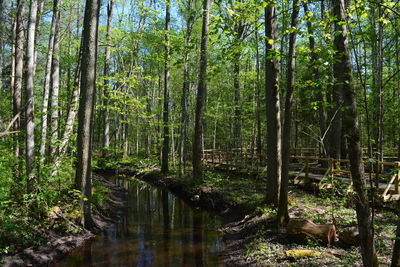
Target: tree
{"points": [[283, 214], [190, 19], [274, 161], [201, 95], [18, 72], [55, 81], [342, 72], [165, 148], [107, 63], [83, 178], [30, 124]]}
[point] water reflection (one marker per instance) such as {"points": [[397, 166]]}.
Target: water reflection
{"points": [[158, 230]]}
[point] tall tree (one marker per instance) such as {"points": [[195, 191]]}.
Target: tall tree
{"points": [[342, 71], [316, 79], [283, 214], [201, 96], [46, 89], [2, 28], [165, 148], [190, 19], [274, 161], [107, 63], [83, 178], [30, 124], [55, 81], [18, 72]]}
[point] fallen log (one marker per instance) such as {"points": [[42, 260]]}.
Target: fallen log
{"points": [[350, 236], [324, 232]]}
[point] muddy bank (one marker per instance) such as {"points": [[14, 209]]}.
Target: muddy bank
{"points": [[56, 245]]}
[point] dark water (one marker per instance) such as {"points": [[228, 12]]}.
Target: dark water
{"points": [[159, 229]]}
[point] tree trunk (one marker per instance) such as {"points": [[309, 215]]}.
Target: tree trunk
{"points": [[30, 124], [201, 96], [107, 63], [2, 28], [343, 82], [258, 95], [165, 148], [274, 160], [45, 102], [69, 125], [185, 93], [237, 118], [283, 214], [83, 179], [55, 81], [18, 73], [318, 87], [396, 246]]}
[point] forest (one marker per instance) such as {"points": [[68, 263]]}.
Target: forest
{"points": [[199, 133]]}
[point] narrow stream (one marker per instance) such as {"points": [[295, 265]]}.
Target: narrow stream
{"points": [[159, 229]]}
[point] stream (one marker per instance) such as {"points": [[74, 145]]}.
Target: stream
{"points": [[159, 229]]}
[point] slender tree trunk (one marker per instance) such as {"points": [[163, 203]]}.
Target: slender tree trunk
{"points": [[2, 7], [107, 63], [274, 160], [201, 96], [316, 79], [45, 102], [237, 118], [55, 82], [18, 73], [283, 213], [185, 94], [83, 179], [258, 94], [379, 85], [30, 124], [165, 148], [69, 125], [343, 82]]}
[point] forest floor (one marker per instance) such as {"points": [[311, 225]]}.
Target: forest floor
{"points": [[61, 231], [249, 232]]}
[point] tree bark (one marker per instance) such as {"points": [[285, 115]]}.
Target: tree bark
{"points": [[185, 92], [45, 102], [318, 87], [201, 96], [283, 214], [2, 28], [30, 124], [55, 82], [343, 83], [274, 161], [107, 63], [83, 179], [258, 94], [18, 73], [165, 148]]}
